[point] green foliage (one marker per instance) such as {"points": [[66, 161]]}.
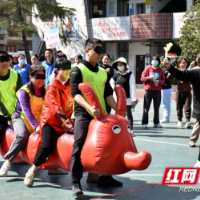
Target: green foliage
{"points": [[190, 39], [16, 15]]}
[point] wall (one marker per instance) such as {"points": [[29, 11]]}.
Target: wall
{"points": [[136, 48], [111, 48], [74, 47], [156, 5], [190, 3], [111, 11]]}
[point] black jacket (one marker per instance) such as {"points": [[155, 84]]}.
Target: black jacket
{"points": [[192, 76]]}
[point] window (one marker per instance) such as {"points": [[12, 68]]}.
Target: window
{"points": [[122, 8], [141, 8], [123, 50], [97, 8], [10, 48]]}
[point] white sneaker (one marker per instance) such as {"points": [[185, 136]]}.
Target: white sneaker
{"points": [[187, 125], [57, 171], [157, 126], [29, 178], [192, 143], [4, 169], [144, 125], [197, 165], [164, 121], [180, 124], [132, 133]]}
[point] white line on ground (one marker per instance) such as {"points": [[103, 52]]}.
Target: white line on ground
{"points": [[162, 142]]}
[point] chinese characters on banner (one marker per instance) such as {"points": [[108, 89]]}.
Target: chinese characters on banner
{"points": [[52, 38], [111, 28]]}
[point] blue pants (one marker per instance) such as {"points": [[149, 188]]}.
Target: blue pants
{"points": [[166, 103]]}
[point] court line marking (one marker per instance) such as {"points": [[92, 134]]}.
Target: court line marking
{"points": [[162, 142], [126, 191]]}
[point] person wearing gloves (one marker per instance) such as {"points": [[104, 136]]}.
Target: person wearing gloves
{"points": [[153, 78], [126, 79], [30, 99], [55, 117]]}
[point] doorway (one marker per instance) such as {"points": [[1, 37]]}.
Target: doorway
{"points": [[140, 63]]}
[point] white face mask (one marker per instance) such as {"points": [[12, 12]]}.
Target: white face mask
{"points": [[120, 68]]}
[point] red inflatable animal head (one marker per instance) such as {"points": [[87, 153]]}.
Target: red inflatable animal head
{"points": [[109, 147]]}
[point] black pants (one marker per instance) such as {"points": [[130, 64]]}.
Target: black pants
{"points": [[130, 116], [3, 127], [49, 140], [183, 99], [80, 134], [148, 96]]}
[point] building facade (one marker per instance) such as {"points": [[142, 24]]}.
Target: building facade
{"points": [[134, 29]]}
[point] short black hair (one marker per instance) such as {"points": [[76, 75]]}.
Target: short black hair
{"points": [[3, 52], [157, 58], [90, 42], [60, 62], [79, 56], [49, 50], [10, 56], [41, 59], [106, 54], [21, 55], [35, 55]]}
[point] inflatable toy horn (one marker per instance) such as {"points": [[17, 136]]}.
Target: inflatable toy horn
{"points": [[109, 147]]}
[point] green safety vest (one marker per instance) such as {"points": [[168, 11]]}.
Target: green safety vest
{"points": [[97, 82], [8, 92], [36, 107]]}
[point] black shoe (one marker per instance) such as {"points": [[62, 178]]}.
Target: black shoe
{"points": [[76, 189], [108, 181]]}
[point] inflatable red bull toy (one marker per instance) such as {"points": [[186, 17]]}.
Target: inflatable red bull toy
{"points": [[109, 147]]}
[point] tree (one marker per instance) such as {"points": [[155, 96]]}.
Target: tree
{"points": [[190, 38], [17, 15]]}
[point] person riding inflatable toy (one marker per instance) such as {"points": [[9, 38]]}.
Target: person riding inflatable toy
{"points": [[98, 155]]}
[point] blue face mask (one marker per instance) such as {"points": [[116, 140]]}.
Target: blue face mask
{"points": [[22, 61], [154, 62]]}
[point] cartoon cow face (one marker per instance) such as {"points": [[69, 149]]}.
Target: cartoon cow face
{"points": [[109, 147]]}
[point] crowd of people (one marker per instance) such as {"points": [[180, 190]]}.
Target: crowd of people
{"points": [[44, 94]]}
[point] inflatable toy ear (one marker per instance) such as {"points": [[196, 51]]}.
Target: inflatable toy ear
{"points": [[121, 100], [91, 96]]}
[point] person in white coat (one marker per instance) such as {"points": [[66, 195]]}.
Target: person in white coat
{"points": [[126, 79]]}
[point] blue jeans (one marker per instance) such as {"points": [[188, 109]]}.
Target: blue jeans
{"points": [[166, 103]]}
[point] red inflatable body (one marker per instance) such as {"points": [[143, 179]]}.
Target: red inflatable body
{"points": [[109, 147]]}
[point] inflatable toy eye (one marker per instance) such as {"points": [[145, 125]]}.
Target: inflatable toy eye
{"points": [[116, 129], [129, 129]]}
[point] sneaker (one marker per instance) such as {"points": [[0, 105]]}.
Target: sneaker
{"points": [[4, 169], [29, 178], [192, 143], [157, 126], [108, 181], [187, 125], [76, 189], [164, 121], [92, 178], [180, 124], [144, 125], [197, 165], [132, 133], [57, 171]]}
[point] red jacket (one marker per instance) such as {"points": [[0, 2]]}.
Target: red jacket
{"points": [[149, 84], [58, 107]]}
